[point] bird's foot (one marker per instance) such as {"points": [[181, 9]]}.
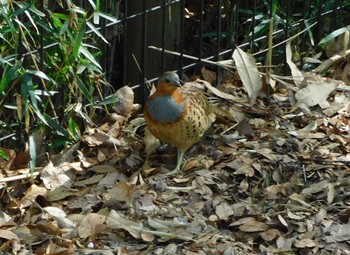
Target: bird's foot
{"points": [[176, 171]]}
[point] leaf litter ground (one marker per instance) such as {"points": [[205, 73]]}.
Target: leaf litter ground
{"points": [[275, 181]]}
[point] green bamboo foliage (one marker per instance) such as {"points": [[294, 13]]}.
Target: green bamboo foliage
{"points": [[41, 89]]}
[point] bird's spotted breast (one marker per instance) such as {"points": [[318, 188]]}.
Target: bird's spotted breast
{"points": [[165, 109]]}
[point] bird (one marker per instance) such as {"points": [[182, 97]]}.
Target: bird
{"points": [[178, 115]]}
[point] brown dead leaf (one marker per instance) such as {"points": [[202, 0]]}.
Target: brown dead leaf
{"points": [[150, 141], [121, 192], [242, 165], [285, 244], [246, 170], [59, 193], [301, 199], [125, 100], [313, 94], [307, 242], [6, 163], [98, 138], [148, 237], [267, 153], [270, 234], [83, 202], [208, 75], [8, 235], [242, 221], [146, 203], [282, 220], [297, 75], [6, 220], [221, 94], [253, 226], [91, 225], [338, 233], [315, 188], [244, 128], [117, 221], [244, 185], [197, 162], [320, 215], [331, 193], [47, 227], [248, 71], [94, 179], [293, 216], [54, 177], [31, 195], [224, 211]]}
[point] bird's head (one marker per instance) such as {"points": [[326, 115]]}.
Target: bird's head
{"points": [[168, 82]]}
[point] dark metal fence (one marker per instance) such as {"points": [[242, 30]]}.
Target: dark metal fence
{"points": [[208, 30], [201, 30]]}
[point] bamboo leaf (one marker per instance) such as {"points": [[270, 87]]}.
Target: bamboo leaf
{"points": [[73, 129], [107, 16], [41, 74], [28, 89], [95, 30], [110, 100], [83, 89], [90, 57], [92, 4], [32, 21], [79, 39], [3, 155], [59, 129], [333, 35], [9, 74]]}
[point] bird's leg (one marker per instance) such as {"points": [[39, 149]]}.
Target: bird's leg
{"points": [[180, 156]]}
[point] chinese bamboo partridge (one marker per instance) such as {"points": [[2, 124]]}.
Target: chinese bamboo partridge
{"points": [[178, 115]]}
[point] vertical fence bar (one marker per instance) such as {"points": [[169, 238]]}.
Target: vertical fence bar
{"points": [[218, 35], [318, 27], [253, 27], [288, 13], [200, 38], [303, 37], [334, 15], [41, 50], [181, 43], [103, 26], [112, 48], [125, 40], [163, 36], [143, 89], [236, 22]]}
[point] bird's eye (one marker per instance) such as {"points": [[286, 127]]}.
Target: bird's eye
{"points": [[167, 80]]}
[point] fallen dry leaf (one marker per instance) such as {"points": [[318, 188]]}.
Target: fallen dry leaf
{"points": [[313, 94], [90, 225], [253, 226], [247, 70]]}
